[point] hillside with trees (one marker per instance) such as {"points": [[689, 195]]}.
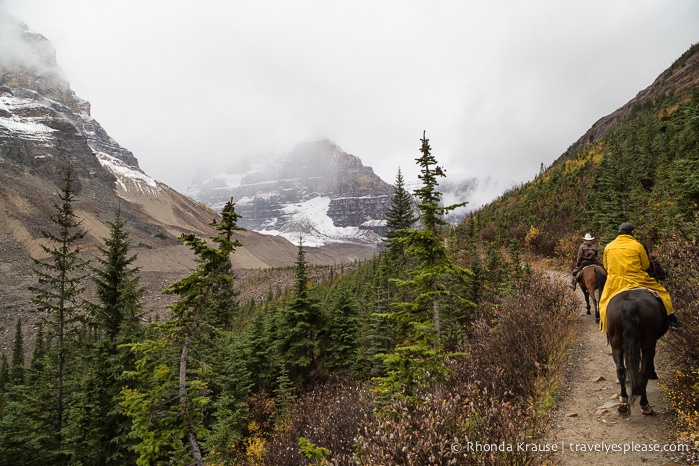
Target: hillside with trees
{"points": [[639, 165]]}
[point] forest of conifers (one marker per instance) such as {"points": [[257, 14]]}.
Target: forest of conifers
{"points": [[450, 335]]}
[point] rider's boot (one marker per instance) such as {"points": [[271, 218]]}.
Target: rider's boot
{"points": [[573, 282], [674, 321]]}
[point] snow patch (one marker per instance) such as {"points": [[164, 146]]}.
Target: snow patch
{"points": [[129, 178], [27, 127], [311, 217]]}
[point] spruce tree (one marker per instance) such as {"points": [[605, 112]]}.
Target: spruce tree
{"points": [[342, 330], [58, 295], [260, 357], [97, 429], [169, 401], [399, 217], [231, 385], [381, 334], [427, 245], [119, 294], [301, 324], [4, 376], [432, 277]]}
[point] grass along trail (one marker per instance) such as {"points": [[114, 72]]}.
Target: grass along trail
{"points": [[587, 429]]}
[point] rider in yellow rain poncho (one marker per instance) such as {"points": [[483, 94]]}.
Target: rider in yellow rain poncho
{"points": [[626, 262]]}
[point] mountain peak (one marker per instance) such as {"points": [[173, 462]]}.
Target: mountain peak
{"points": [[28, 66], [315, 191]]}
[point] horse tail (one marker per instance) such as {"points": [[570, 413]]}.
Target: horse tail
{"points": [[601, 281], [632, 347]]}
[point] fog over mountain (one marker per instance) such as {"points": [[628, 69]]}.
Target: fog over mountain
{"points": [[500, 87]]}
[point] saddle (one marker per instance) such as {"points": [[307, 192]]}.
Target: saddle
{"points": [[584, 264]]}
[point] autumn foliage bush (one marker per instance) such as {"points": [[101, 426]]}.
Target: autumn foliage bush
{"points": [[529, 343], [493, 396], [328, 417], [680, 258]]}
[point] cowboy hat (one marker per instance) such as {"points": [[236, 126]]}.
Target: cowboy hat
{"points": [[588, 237]]}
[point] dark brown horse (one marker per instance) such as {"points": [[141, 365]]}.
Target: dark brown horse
{"points": [[592, 279], [636, 319]]}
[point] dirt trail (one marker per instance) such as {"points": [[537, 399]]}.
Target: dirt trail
{"points": [[587, 417]]}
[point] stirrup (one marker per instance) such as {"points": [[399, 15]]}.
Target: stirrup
{"points": [[674, 321]]}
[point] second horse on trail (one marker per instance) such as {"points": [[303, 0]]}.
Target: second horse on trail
{"points": [[592, 279]]}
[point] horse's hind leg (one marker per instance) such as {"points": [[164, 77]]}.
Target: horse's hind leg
{"points": [[648, 365], [587, 301], [595, 304], [618, 356], [647, 372]]}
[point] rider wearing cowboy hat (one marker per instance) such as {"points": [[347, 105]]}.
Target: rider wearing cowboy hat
{"points": [[587, 255]]}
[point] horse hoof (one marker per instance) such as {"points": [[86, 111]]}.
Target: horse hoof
{"points": [[624, 409], [588, 312], [653, 376], [597, 320], [647, 410]]}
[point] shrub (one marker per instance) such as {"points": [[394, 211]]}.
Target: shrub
{"points": [[493, 394], [327, 418], [535, 327], [680, 258]]}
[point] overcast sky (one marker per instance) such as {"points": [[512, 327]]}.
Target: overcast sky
{"points": [[500, 86]]}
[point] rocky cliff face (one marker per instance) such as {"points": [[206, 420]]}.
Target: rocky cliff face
{"points": [[42, 121], [45, 128], [317, 190]]}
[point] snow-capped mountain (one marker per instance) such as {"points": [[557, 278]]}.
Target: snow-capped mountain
{"points": [[39, 110], [316, 192], [44, 129]]}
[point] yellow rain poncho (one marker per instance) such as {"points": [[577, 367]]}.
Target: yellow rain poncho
{"points": [[626, 262]]}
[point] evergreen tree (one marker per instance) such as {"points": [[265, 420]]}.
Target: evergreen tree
{"points": [[117, 284], [168, 406], [342, 330], [381, 338], [26, 426], [427, 245], [399, 217], [59, 290], [261, 359], [432, 277], [98, 428], [231, 384], [301, 323]]}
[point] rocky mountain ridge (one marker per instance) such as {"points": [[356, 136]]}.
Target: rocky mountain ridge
{"points": [[317, 191], [682, 75], [45, 128]]}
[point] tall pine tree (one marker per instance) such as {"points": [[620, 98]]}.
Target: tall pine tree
{"points": [[399, 217], [432, 277], [301, 324], [17, 368], [168, 404], [97, 429], [58, 295], [119, 293]]}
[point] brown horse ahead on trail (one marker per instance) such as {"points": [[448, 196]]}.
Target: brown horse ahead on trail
{"points": [[636, 319], [592, 279]]}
